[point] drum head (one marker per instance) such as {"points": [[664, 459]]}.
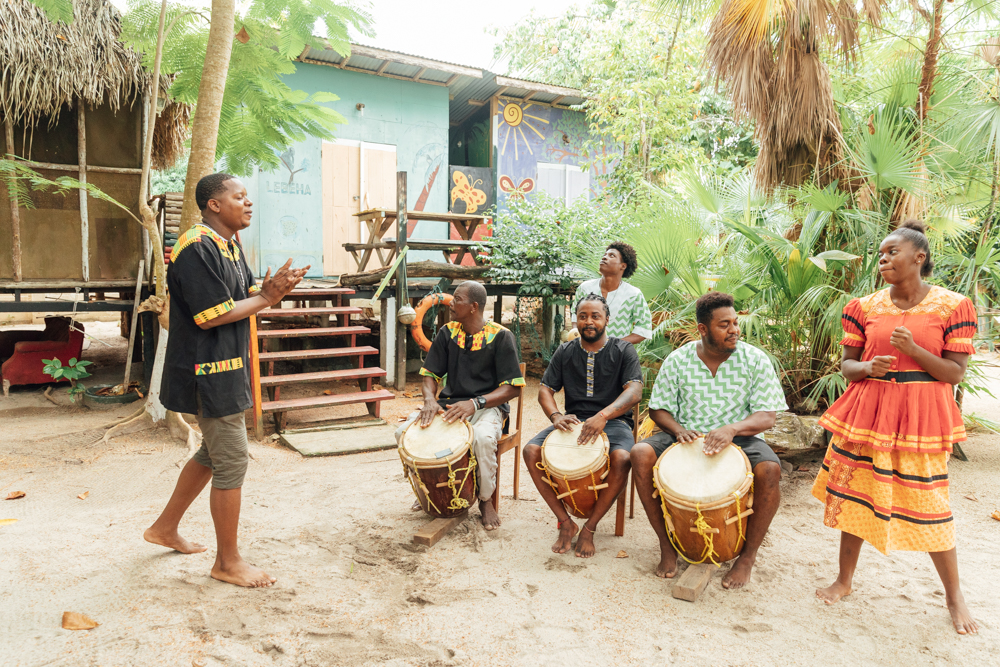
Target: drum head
{"points": [[687, 472], [561, 452], [438, 442]]}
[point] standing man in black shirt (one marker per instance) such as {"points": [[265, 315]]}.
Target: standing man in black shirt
{"points": [[602, 380], [477, 361], [212, 297]]}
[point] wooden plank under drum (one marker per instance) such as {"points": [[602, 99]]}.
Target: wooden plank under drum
{"points": [[432, 532], [693, 581]]}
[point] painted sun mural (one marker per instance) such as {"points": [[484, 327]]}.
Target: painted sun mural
{"points": [[516, 118]]}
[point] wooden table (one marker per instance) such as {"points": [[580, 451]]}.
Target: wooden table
{"points": [[381, 220]]}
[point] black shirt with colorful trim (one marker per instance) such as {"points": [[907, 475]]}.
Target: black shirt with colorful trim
{"points": [[474, 364], [206, 276], [593, 380]]}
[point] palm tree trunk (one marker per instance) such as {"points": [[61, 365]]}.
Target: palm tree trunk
{"points": [[205, 128], [931, 53]]}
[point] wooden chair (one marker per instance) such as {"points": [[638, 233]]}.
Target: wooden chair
{"points": [[630, 486], [511, 440]]}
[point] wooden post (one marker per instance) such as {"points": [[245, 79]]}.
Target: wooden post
{"points": [[15, 216], [401, 291], [498, 309], [258, 410], [135, 323], [81, 139], [387, 340]]}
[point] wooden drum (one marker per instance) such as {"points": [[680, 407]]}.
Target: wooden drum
{"points": [[439, 463], [706, 500], [575, 471]]}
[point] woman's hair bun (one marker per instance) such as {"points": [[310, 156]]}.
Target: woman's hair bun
{"points": [[915, 225]]}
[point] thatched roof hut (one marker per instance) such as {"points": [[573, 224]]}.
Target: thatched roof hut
{"points": [[47, 67], [73, 102]]}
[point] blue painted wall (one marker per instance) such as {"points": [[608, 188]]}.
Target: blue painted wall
{"points": [[288, 218]]}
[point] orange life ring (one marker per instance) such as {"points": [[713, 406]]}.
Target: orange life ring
{"points": [[417, 328]]}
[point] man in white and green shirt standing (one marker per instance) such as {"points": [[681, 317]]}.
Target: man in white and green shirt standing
{"points": [[727, 391], [630, 317]]}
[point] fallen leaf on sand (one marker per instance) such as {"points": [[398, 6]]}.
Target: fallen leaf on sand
{"points": [[972, 496], [409, 394], [14, 495], [74, 621], [622, 554], [83, 496], [7, 522], [328, 392], [803, 469], [996, 515]]}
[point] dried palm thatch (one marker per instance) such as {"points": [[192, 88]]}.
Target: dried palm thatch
{"points": [[767, 53], [170, 133], [46, 66]]}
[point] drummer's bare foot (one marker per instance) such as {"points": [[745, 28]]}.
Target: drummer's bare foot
{"points": [[491, 521], [739, 574], [585, 543], [567, 531], [415, 507], [961, 618], [834, 592], [668, 562]]}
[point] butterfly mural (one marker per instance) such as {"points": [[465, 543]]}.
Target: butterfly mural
{"points": [[516, 191], [467, 192]]}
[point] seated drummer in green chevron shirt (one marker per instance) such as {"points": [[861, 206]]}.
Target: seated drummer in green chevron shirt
{"points": [[727, 391], [630, 317]]}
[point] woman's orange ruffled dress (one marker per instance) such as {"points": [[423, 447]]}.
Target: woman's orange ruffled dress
{"points": [[885, 475]]}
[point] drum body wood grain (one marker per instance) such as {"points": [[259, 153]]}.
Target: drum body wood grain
{"points": [[439, 464], [576, 472], [706, 500]]}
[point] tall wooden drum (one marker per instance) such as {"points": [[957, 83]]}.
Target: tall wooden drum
{"points": [[706, 500], [439, 463], [575, 471]]}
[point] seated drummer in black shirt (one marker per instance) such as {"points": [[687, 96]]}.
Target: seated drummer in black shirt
{"points": [[601, 394]]}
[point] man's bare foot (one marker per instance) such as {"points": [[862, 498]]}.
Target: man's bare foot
{"points": [[833, 592], [739, 574], [242, 573], [667, 568], [491, 521], [415, 507], [174, 541], [567, 531], [961, 617], [585, 543]]}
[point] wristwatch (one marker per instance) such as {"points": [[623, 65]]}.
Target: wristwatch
{"points": [[480, 402]]}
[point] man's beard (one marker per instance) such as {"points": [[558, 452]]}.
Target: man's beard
{"points": [[591, 337], [721, 343]]}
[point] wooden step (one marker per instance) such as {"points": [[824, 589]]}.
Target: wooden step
{"points": [[290, 312], [318, 331], [322, 376], [306, 294], [322, 353], [325, 401]]}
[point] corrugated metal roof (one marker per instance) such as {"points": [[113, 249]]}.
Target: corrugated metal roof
{"points": [[466, 85]]}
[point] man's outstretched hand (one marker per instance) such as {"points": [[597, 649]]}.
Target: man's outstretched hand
{"points": [[275, 288]]}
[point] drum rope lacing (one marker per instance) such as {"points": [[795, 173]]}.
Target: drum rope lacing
{"points": [[702, 526], [457, 502], [593, 482]]}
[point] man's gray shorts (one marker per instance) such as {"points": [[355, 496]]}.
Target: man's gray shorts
{"points": [[224, 449], [755, 448]]}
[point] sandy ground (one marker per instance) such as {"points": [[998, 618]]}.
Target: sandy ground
{"points": [[353, 590]]}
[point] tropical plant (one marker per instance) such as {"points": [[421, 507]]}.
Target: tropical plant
{"points": [[75, 369], [245, 115]]}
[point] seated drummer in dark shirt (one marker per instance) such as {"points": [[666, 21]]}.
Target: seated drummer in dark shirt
{"points": [[601, 395]]}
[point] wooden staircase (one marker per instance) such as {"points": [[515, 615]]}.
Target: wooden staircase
{"points": [[303, 322]]}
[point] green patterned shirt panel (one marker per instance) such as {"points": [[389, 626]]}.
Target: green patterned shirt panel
{"points": [[630, 313], [745, 383]]}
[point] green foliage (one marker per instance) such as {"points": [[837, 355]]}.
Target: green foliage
{"points": [[169, 180], [56, 10], [642, 76], [75, 369], [21, 180], [261, 115]]}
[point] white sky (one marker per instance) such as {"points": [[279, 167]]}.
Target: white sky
{"points": [[449, 30]]}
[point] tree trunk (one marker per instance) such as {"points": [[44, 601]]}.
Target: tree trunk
{"points": [[205, 128], [931, 53]]}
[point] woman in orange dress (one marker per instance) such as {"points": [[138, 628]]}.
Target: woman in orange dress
{"points": [[884, 478]]}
